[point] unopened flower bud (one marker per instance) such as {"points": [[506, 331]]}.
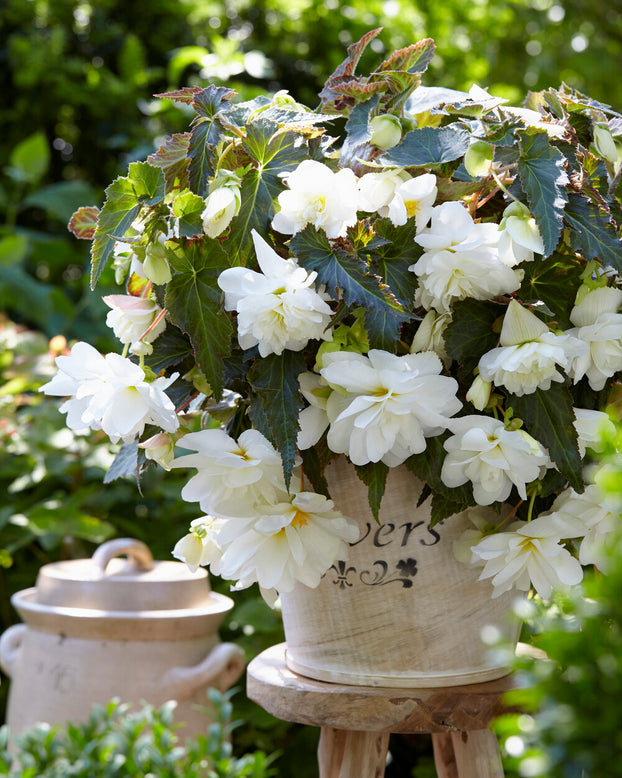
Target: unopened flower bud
{"points": [[478, 159], [141, 349], [160, 449], [386, 131], [155, 266], [221, 206], [479, 393], [605, 145]]}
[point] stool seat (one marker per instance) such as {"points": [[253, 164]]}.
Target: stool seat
{"points": [[356, 720]]}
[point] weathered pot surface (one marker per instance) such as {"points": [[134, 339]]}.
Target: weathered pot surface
{"points": [[105, 627], [400, 610]]}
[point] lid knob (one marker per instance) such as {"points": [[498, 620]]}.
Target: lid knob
{"points": [[137, 552]]}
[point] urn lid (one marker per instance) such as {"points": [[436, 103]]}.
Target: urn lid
{"points": [[108, 582]]}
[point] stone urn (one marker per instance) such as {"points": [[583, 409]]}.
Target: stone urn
{"points": [[105, 627]]}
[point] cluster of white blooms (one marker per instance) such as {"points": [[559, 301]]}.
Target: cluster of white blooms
{"points": [[319, 197], [380, 407], [481, 450], [529, 553], [257, 530], [278, 308], [599, 325], [461, 259], [529, 354], [110, 393]]}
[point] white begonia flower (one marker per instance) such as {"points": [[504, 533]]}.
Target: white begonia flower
{"points": [[313, 419], [520, 237], [529, 553], [110, 393], [414, 197], [131, 317], [385, 406], [590, 426], [529, 355], [200, 548], [376, 190], [461, 259], [232, 476], [429, 335], [599, 325], [595, 522], [221, 206], [296, 539], [492, 458], [319, 197], [277, 309]]}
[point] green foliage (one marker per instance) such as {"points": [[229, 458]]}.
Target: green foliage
{"points": [[543, 178], [115, 741], [193, 299]]}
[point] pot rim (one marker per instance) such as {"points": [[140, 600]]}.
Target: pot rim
{"points": [[172, 624]]}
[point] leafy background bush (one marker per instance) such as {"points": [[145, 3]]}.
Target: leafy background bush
{"points": [[77, 80]]}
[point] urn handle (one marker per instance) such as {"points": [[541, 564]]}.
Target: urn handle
{"points": [[137, 552], [10, 644], [221, 668]]}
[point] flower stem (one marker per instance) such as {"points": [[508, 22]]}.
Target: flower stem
{"points": [[530, 510], [502, 186]]}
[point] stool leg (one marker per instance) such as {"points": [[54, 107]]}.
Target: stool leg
{"points": [[477, 754], [349, 754], [444, 757]]}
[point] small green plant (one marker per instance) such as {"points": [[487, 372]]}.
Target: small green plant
{"points": [[570, 727], [117, 742]]}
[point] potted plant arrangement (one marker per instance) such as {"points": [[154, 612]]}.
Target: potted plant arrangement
{"points": [[387, 352]]}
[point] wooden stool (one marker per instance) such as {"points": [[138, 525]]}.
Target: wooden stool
{"points": [[356, 720]]}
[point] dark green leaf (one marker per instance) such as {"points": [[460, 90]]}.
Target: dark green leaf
{"points": [[200, 167], [339, 270], [592, 233], [552, 282], [188, 207], [550, 414], [273, 152], [172, 158], [144, 185], [173, 348], [210, 100], [313, 469], [393, 258], [443, 507], [125, 463], [275, 379], [428, 146], [543, 179], [374, 476], [470, 332], [357, 126], [427, 467], [193, 299]]}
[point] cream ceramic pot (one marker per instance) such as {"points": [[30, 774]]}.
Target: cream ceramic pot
{"points": [[109, 627]]}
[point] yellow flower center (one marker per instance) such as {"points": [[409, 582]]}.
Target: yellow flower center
{"points": [[299, 520], [412, 207]]}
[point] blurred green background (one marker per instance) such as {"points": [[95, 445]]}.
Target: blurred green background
{"points": [[77, 80]]}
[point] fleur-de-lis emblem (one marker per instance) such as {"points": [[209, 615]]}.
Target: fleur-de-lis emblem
{"points": [[342, 571]]}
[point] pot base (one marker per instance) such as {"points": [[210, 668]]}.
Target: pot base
{"points": [[403, 681]]}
